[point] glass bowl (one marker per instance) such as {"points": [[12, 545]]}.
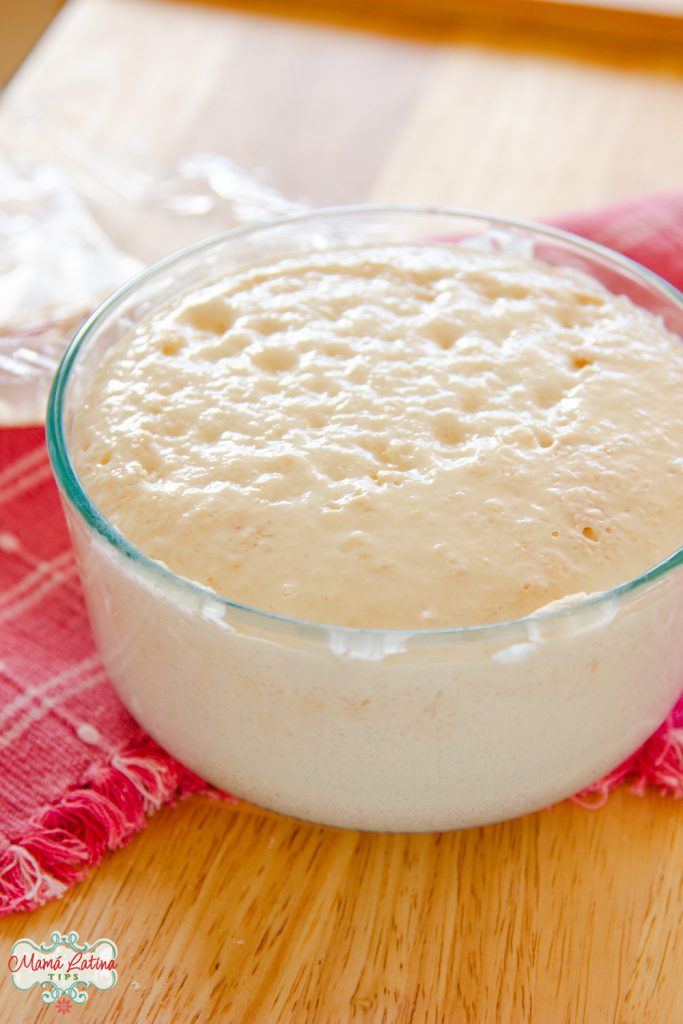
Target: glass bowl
{"points": [[373, 729]]}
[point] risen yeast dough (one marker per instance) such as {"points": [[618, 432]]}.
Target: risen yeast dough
{"points": [[400, 437]]}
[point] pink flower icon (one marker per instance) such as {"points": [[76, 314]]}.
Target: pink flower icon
{"points": [[63, 1005]]}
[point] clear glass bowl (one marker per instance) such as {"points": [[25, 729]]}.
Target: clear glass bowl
{"points": [[374, 729]]}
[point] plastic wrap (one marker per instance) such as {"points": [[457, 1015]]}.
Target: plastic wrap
{"points": [[72, 230]]}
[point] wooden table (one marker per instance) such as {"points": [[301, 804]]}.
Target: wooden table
{"points": [[223, 912]]}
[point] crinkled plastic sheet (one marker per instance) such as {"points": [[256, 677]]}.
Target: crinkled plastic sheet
{"points": [[58, 258]]}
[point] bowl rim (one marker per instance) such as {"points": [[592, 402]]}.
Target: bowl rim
{"points": [[72, 489]]}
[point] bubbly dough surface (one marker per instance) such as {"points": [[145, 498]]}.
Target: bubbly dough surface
{"points": [[405, 436]]}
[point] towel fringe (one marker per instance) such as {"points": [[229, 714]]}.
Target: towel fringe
{"points": [[112, 805], [102, 814], [658, 765]]}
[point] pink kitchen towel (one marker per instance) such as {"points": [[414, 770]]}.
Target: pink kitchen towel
{"points": [[78, 776]]}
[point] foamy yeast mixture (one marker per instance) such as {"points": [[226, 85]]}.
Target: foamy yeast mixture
{"points": [[406, 436]]}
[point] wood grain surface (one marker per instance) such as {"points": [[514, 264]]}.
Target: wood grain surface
{"points": [[644, 22], [222, 912], [21, 24]]}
